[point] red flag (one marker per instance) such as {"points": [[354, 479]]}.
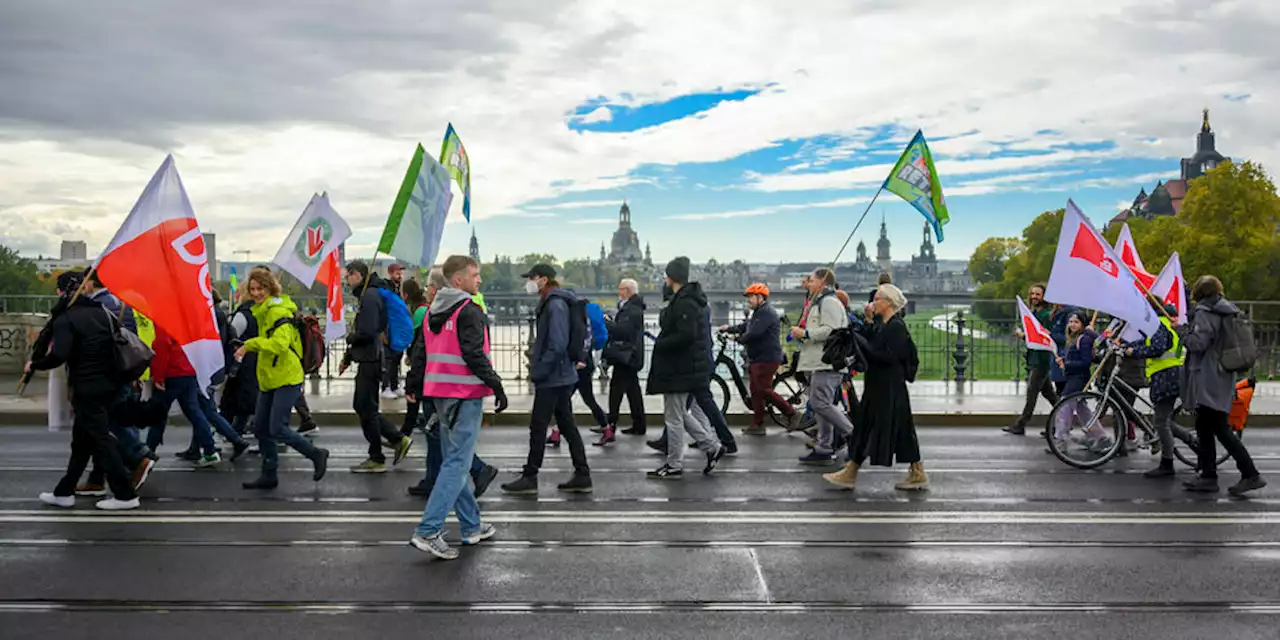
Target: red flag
{"points": [[1128, 250], [1038, 338], [156, 264], [1170, 287], [1089, 248], [330, 274]]}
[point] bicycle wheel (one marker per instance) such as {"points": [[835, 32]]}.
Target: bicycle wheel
{"points": [[720, 391], [1183, 452], [792, 392], [1085, 430]]}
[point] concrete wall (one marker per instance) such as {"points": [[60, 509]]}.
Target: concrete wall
{"points": [[17, 332]]}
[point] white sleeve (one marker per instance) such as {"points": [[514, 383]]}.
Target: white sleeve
{"points": [[238, 325]]}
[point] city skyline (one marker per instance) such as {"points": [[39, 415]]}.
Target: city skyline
{"points": [[762, 158]]}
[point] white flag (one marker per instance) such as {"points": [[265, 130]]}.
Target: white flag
{"points": [[1038, 338], [416, 223], [1128, 251], [318, 232], [1170, 287], [1087, 273]]}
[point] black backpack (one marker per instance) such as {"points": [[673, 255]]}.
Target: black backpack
{"points": [[132, 355], [912, 366], [579, 331]]}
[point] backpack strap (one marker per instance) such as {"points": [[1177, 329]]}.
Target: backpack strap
{"points": [[280, 323]]}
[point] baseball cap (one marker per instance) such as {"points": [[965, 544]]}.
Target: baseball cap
{"points": [[395, 267], [540, 270]]}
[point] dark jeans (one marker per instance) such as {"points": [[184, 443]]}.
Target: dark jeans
{"points": [[587, 391], [760, 383], [435, 452], [410, 423], [365, 402], [626, 381], [1212, 424], [707, 402], [91, 439], [1038, 384], [557, 401], [271, 424], [391, 369], [186, 391]]}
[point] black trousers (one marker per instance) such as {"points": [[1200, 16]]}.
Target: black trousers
{"points": [[626, 381], [558, 402], [365, 403], [1038, 384], [586, 389], [391, 369], [1212, 424], [303, 410], [91, 439]]}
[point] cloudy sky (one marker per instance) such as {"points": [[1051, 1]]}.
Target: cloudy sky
{"points": [[753, 130]]}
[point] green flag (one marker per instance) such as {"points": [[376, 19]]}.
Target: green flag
{"points": [[915, 180], [416, 223], [454, 157]]}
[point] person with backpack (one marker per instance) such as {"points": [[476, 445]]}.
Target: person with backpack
{"points": [[586, 377], [416, 299], [625, 354], [82, 335], [279, 350], [391, 372], [887, 432], [1216, 337], [1164, 359], [377, 316], [175, 377], [823, 316], [559, 342], [763, 355]]}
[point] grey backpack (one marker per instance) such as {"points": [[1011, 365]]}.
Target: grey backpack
{"points": [[1237, 351]]}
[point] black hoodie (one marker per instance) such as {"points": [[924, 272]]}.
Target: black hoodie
{"points": [[472, 326]]}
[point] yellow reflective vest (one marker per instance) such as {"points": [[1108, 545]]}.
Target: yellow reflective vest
{"points": [[1174, 357]]}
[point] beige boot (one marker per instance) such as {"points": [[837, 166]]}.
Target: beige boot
{"points": [[846, 477], [916, 479]]}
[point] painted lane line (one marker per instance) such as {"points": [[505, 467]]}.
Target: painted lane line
{"points": [[670, 544]]}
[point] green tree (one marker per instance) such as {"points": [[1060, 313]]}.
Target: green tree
{"points": [[530, 259], [579, 273], [988, 261], [1031, 263], [499, 275], [19, 276]]}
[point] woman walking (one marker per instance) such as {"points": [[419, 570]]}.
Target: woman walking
{"points": [[887, 432], [280, 375]]}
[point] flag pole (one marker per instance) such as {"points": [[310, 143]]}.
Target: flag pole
{"points": [[855, 228], [27, 375]]}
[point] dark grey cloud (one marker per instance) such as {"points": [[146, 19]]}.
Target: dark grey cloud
{"points": [[137, 70]]}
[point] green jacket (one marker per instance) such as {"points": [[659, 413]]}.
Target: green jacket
{"points": [[1038, 360], [279, 350]]}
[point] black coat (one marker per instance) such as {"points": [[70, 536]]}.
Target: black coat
{"points": [[364, 342], [887, 427], [83, 338], [680, 361], [626, 335], [240, 396]]}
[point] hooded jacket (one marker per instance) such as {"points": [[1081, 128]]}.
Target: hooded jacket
{"points": [[1204, 383], [680, 363], [364, 343], [549, 357], [279, 348], [472, 325], [759, 336], [82, 337]]}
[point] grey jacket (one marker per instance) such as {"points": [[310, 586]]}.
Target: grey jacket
{"points": [[825, 315], [1204, 383]]}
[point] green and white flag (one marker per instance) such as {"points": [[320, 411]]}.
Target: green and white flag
{"points": [[416, 223], [454, 157], [915, 180], [318, 232]]}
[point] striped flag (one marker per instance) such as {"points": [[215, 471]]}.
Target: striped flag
{"points": [[416, 223]]}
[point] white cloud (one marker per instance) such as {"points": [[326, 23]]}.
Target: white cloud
{"points": [[764, 211], [599, 114]]}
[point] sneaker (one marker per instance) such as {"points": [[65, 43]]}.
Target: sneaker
{"points": [[483, 479], [486, 531], [398, 392], [422, 489], [1015, 430], [634, 431], [238, 449], [190, 455], [143, 472], [553, 440], [66, 502], [755, 430], [320, 464], [795, 421], [731, 449], [658, 445], [712, 459], [435, 545], [606, 437], [1165, 470], [665, 472], [817, 459], [369, 466], [522, 486], [1201, 485], [577, 484], [113, 504], [402, 450], [91, 490], [388, 394], [1246, 485], [255, 450], [263, 481], [208, 461], [309, 430]]}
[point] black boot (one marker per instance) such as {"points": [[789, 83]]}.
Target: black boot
{"points": [[267, 480], [524, 485], [1165, 470], [321, 463]]}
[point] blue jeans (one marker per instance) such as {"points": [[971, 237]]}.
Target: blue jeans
{"points": [[271, 424], [435, 454], [459, 428], [186, 391]]}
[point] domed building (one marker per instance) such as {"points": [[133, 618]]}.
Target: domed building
{"points": [[624, 248]]}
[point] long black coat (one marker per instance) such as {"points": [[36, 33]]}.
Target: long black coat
{"points": [[887, 428], [626, 334], [240, 396], [680, 362]]}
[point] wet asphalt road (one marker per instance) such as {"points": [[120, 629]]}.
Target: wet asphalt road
{"points": [[1008, 543]]}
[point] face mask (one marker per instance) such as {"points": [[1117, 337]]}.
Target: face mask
{"points": [[530, 286]]}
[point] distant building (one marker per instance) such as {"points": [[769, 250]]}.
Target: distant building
{"points": [[211, 252], [883, 261], [1166, 198], [475, 246], [624, 248], [74, 250]]}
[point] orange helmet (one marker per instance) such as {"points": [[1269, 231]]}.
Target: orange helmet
{"points": [[758, 288]]}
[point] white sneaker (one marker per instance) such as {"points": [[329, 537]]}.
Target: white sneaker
{"points": [[66, 502], [486, 531], [388, 395], [112, 504], [399, 393]]}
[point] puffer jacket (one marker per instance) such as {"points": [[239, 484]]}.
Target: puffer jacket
{"points": [[680, 363], [278, 345], [1204, 383], [825, 315]]}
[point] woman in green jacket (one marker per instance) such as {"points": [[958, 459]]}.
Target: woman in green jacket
{"points": [[280, 375]]}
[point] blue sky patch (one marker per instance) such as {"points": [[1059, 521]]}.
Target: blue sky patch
{"points": [[598, 115]]}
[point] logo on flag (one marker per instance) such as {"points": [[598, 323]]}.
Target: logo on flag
{"points": [[311, 245], [1087, 247], [318, 233]]}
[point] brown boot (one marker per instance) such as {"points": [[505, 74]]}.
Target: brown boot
{"points": [[916, 479], [846, 477]]}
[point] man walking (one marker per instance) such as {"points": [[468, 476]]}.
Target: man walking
{"points": [[391, 370], [554, 377], [759, 337], [824, 315], [457, 379], [1038, 364], [365, 348], [625, 354]]}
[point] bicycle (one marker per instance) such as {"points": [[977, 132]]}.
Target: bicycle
{"points": [[785, 384], [1106, 418]]}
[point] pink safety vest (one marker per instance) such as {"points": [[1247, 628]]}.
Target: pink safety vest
{"points": [[447, 374]]}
